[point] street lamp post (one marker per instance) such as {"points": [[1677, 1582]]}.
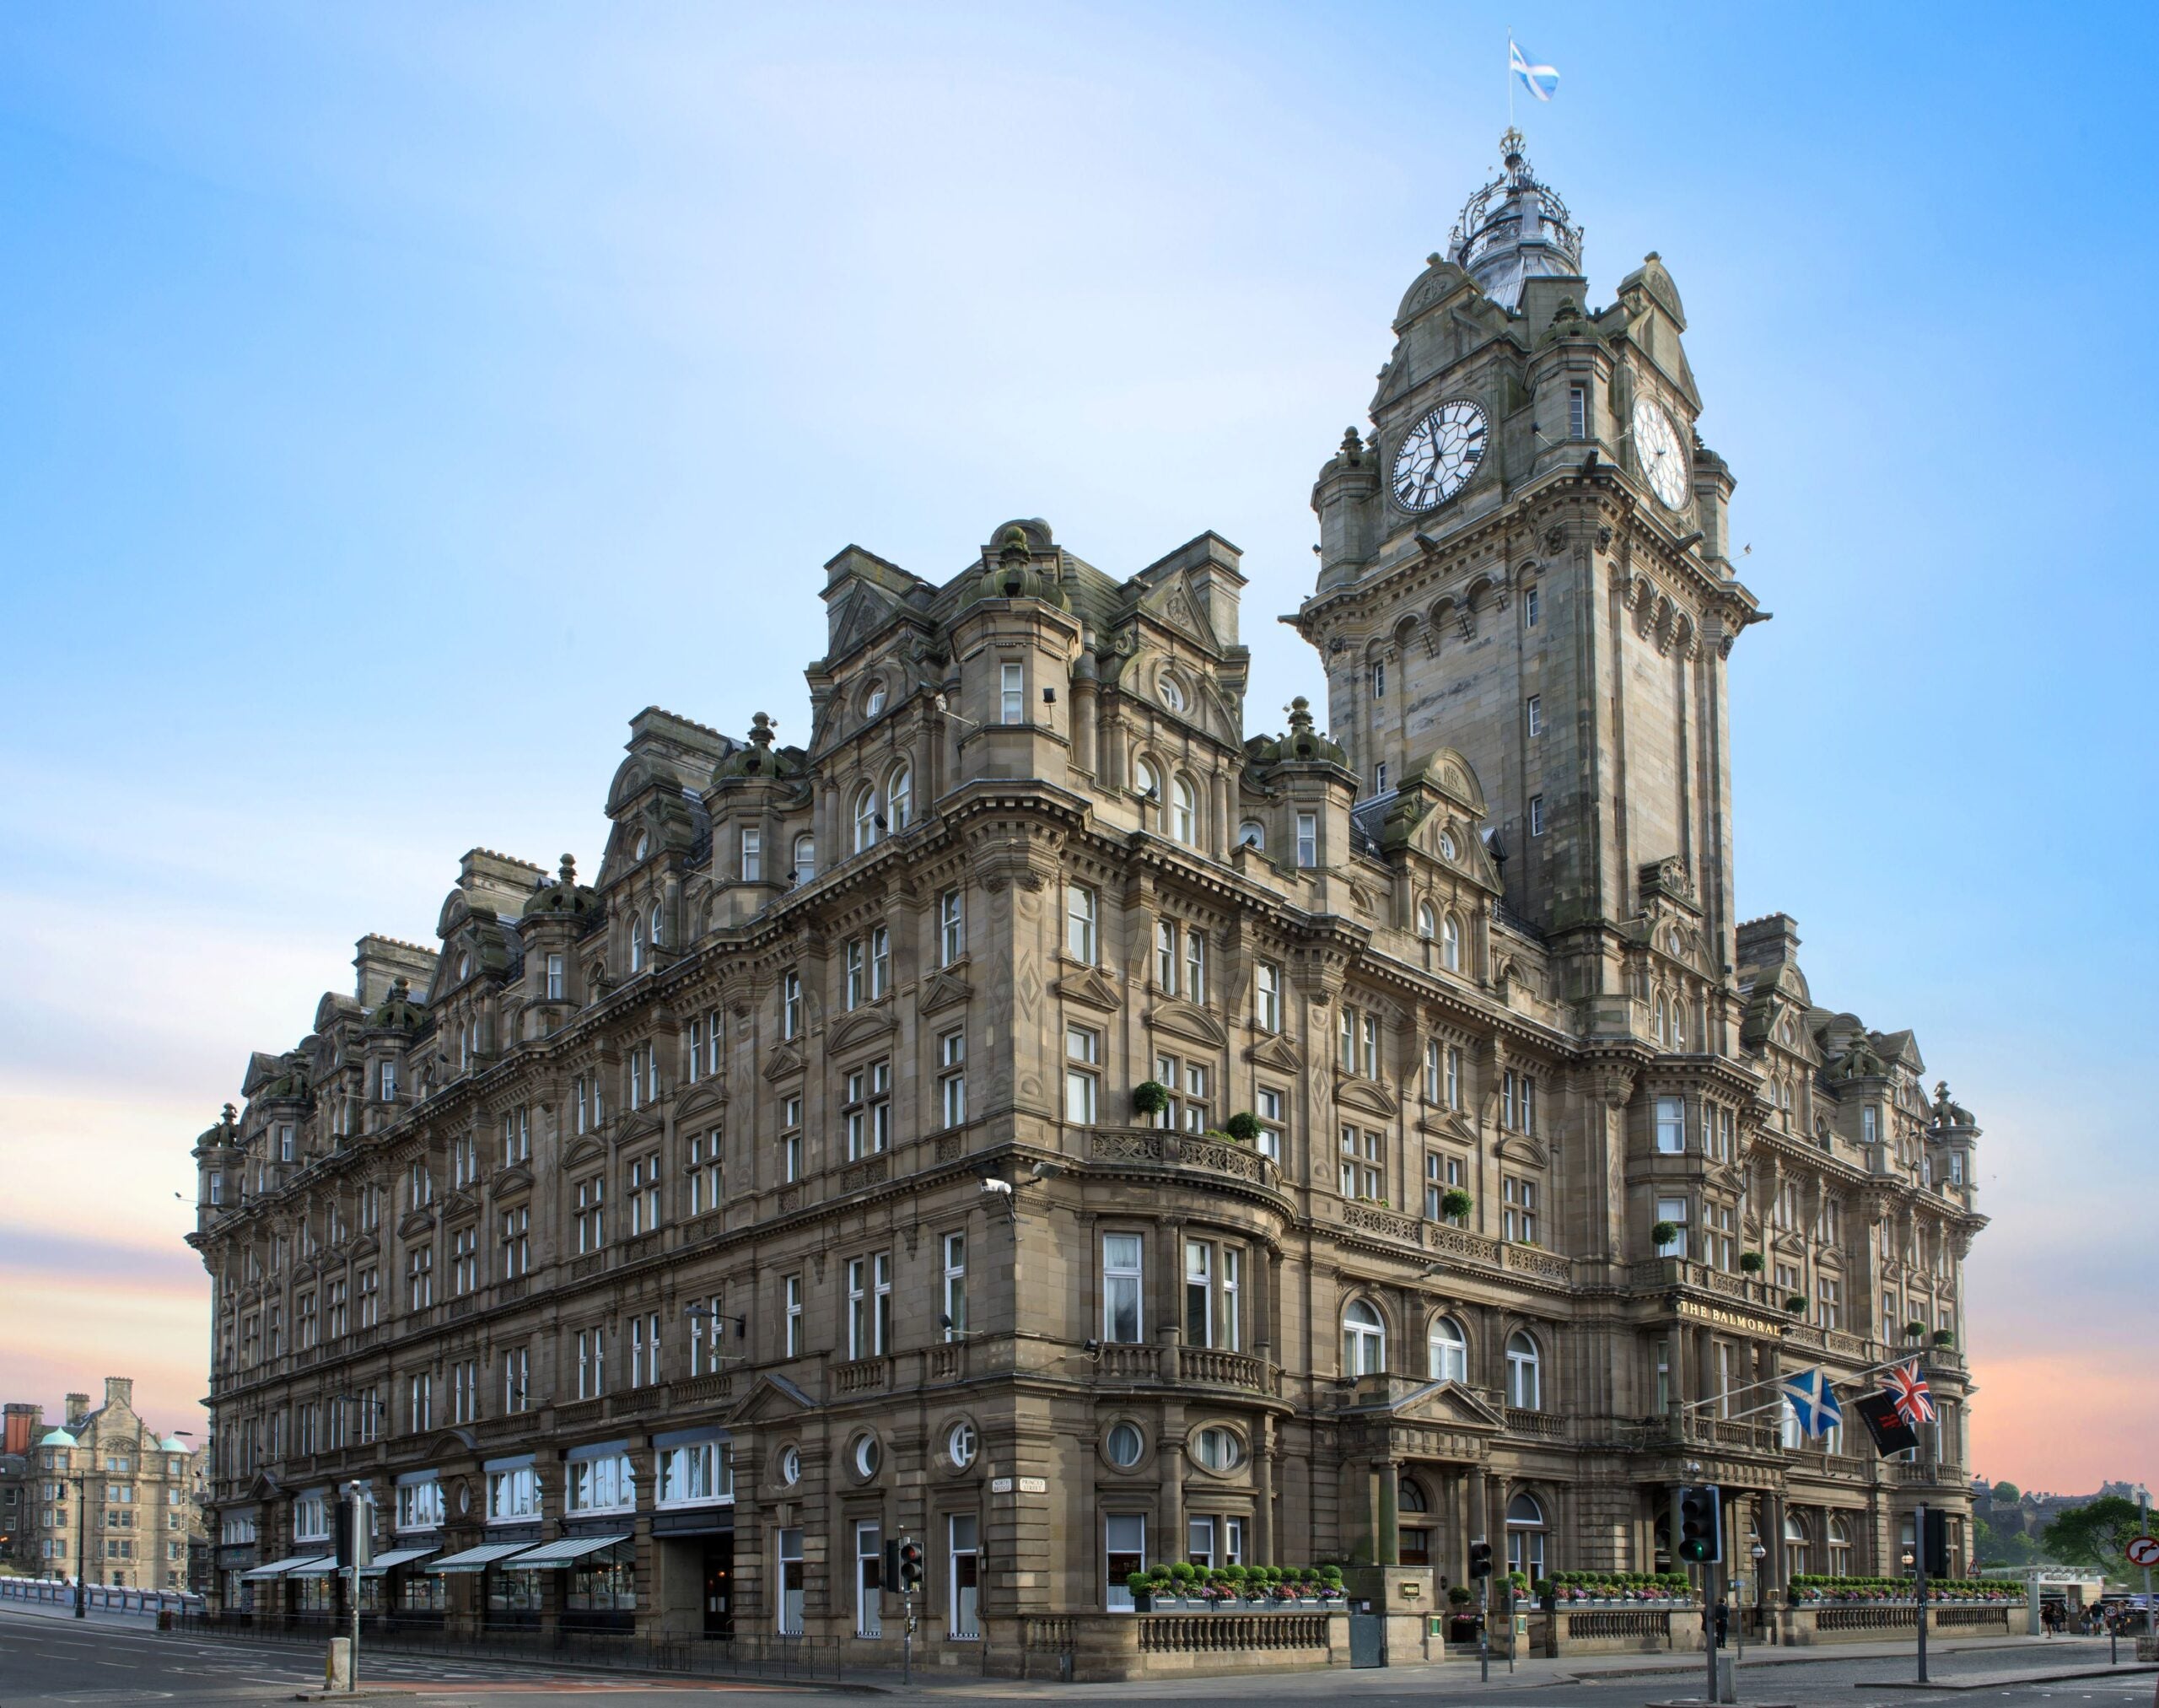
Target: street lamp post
{"points": [[82, 1543], [2144, 1525]]}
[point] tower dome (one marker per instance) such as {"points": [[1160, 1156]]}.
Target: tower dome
{"points": [[1515, 227]]}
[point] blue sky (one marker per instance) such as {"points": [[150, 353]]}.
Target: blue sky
{"points": [[404, 395]]}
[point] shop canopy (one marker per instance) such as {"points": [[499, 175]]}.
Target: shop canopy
{"points": [[396, 1556], [565, 1553], [480, 1557], [281, 1568], [325, 1567]]}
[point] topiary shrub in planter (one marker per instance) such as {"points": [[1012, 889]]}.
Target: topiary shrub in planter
{"points": [[1459, 1595], [1751, 1262], [1663, 1233], [1455, 1204], [1944, 1337], [1914, 1331], [1142, 1591], [1243, 1127], [1151, 1096], [1796, 1303]]}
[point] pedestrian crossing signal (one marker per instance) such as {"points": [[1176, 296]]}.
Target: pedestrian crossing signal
{"points": [[1701, 1524]]}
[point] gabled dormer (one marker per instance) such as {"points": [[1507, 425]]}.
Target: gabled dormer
{"points": [[759, 800]]}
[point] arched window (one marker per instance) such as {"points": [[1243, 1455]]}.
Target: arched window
{"points": [[1657, 1020], [1147, 782], [805, 858], [1172, 695], [1251, 833], [1446, 1351], [874, 702], [1450, 944], [1526, 1536], [1796, 1543], [656, 923], [1525, 1373], [1840, 1546], [1425, 920], [1184, 825], [899, 799], [1678, 1024], [637, 944], [1364, 1340], [1414, 1534], [865, 818]]}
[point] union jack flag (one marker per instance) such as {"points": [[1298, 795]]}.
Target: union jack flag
{"points": [[1905, 1386]]}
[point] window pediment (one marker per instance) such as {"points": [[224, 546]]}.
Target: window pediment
{"points": [[942, 989], [1368, 1097], [586, 1151], [784, 1060], [1087, 986], [1276, 1051], [516, 1177], [1519, 1148], [631, 1129], [1449, 1123], [866, 1026], [1186, 1020], [699, 1101], [416, 1222]]}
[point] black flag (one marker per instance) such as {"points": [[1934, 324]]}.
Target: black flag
{"points": [[1891, 1433]]}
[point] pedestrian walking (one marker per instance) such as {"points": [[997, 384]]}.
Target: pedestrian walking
{"points": [[1723, 1616]]}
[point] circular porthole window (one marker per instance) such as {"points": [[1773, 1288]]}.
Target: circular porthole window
{"points": [[464, 966], [865, 1456], [644, 845], [790, 1465], [1446, 845], [1172, 695], [961, 1443], [1124, 1445], [873, 702], [1217, 1449]]}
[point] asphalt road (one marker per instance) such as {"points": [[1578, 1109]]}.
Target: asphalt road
{"points": [[47, 1662]]}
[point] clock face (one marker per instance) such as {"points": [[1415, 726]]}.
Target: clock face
{"points": [[1658, 454], [1436, 459]]}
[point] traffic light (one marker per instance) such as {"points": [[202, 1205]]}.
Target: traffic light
{"points": [[1480, 1558], [910, 1567], [1701, 1523], [355, 1535], [1934, 1542]]}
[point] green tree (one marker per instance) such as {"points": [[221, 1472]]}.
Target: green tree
{"points": [[2006, 1494], [1995, 1547], [2095, 1534]]}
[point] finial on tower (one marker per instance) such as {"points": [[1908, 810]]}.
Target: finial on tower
{"points": [[1510, 148]]}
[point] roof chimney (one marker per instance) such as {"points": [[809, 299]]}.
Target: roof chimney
{"points": [[78, 1405], [120, 1390]]}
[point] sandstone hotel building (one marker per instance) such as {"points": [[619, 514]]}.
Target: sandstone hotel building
{"points": [[852, 1150]]}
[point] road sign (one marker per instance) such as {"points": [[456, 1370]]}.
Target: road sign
{"points": [[2143, 1550]]}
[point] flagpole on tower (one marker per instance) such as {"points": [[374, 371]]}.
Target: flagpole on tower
{"points": [[1511, 77]]}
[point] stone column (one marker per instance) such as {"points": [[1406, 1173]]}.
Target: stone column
{"points": [[1387, 1517], [1263, 1489]]}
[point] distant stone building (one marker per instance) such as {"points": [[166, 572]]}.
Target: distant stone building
{"points": [[1038, 1117], [107, 1482]]}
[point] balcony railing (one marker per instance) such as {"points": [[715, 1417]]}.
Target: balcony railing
{"points": [[1207, 1366], [1160, 1148]]}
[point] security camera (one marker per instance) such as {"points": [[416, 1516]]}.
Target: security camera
{"points": [[1002, 1186]]}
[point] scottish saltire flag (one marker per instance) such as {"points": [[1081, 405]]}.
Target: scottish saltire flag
{"points": [[1813, 1402], [1540, 80], [1906, 1387]]}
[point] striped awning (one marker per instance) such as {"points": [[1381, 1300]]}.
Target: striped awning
{"points": [[396, 1556], [480, 1557], [281, 1568], [566, 1552]]}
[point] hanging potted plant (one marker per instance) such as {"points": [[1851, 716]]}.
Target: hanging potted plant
{"points": [[1751, 1262], [1150, 1097]]}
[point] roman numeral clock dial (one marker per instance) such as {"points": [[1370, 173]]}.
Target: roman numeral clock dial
{"points": [[1437, 456]]}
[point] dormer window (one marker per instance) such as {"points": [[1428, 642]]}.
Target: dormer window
{"points": [[464, 966], [873, 702], [1172, 695], [644, 845], [1447, 850]]}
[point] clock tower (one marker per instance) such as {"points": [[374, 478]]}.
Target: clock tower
{"points": [[1525, 561]]}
